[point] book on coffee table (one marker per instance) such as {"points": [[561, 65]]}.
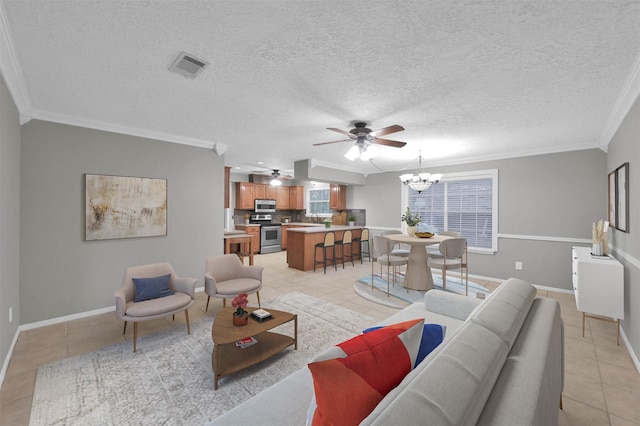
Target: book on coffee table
{"points": [[246, 342], [261, 315]]}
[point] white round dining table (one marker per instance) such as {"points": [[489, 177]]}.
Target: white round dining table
{"points": [[418, 276]]}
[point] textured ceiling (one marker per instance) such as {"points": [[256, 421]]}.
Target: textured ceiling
{"points": [[469, 80]]}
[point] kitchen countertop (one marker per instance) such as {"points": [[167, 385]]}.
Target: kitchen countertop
{"points": [[317, 228]]}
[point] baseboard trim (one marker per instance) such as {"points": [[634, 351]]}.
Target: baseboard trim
{"points": [[7, 360], [632, 354]]}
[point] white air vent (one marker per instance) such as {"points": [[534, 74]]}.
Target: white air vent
{"points": [[188, 65]]}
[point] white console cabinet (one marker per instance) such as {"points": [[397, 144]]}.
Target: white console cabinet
{"points": [[598, 285]]}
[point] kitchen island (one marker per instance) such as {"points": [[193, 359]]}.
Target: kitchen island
{"points": [[301, 243]]}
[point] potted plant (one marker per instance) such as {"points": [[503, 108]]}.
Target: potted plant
{"points": [[411, 220], [351, 219], [247, 216], [327, 223], [240, 316]]}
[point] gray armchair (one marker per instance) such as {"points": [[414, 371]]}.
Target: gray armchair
{"points": [[225, 277], [129, 310]]}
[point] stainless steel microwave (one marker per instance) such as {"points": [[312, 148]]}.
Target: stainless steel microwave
{"points": [[265, 206]]}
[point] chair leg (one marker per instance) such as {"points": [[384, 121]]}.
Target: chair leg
{"points": [[135, 335], [444, 278], [173, 317], [207, 307], [224, 303], [258, 293], [186, 316], [125, 328]]}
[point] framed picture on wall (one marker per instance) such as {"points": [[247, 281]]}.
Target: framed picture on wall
{"points": [[124, 207], [612, 199], [622, 198]]}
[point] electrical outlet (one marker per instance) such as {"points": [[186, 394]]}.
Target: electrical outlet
{"points": [[518, 266], [10, 314]]}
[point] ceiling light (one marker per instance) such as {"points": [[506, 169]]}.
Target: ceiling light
{"points": [[275, 181], [422, 180], [361, 149]]}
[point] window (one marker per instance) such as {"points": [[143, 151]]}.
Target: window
{"points": [[318, 201], [463, 202]]}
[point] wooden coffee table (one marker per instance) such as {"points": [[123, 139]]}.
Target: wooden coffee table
{"points": [[227, 358]]}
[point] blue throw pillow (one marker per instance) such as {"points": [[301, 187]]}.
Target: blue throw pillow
{"points": [[152, 288], [432, 336]]}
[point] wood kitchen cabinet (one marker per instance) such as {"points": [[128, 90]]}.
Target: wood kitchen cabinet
{"points": [[282, 198], [337, 197], [245, 194], [227, 182], [261, 191], [270, 192], [254, 231], [296, 197]]}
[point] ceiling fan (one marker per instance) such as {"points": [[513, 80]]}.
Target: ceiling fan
{"points": [[276, 176], [364, 137]]}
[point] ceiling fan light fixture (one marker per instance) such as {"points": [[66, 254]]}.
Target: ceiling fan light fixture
{"points": [[353, 153], [368, 153], [275, 182]]}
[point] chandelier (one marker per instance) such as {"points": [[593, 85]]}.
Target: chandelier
{"points": [[421, 181]]}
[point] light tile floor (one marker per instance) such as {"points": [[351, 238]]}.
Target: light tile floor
{"points": [[602, 385]]}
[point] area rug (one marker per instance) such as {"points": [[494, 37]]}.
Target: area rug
{"points": [[400, 297], [170, 380]]}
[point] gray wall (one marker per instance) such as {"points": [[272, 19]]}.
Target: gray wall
{"points": [[62, 274], [553, 195], [9, 219], [625, 147]]}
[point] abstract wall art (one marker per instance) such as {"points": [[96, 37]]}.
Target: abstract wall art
{"points": [[124, 207]]}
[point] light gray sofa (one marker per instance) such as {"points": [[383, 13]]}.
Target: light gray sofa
{"points": [[501, 363]]}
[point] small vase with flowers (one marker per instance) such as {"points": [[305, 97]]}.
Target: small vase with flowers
{"points": [[240, 316]]}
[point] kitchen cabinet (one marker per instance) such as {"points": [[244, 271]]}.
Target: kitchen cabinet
{"points": [[245, 194], [285, 229], [296, 197], [261, 191], [287, 197], [337, 197], [282, 198], [254, 231], [227, 182], [270, 192], [598, 286]]}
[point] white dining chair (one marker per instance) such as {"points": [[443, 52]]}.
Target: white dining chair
{"points": [[434, 251], [383, 247], [454, 256]]}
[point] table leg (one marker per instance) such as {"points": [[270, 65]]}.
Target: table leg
{"points": [[214, 365], [418, 276], [295, 331]]}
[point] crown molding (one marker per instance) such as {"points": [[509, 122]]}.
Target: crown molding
{"points": [[11, 71], [125, 130], [628, 95]]}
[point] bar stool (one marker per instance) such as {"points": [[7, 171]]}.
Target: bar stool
{"points": [[346, 241], [361, 241], [329, 242]]}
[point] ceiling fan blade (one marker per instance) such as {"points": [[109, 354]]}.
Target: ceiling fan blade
{"points": [[344, 132], [387, 130], [326, 143], [388, 142]]}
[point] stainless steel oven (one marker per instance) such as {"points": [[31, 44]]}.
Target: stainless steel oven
{"points": [[270, 233], [264, 206]]}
